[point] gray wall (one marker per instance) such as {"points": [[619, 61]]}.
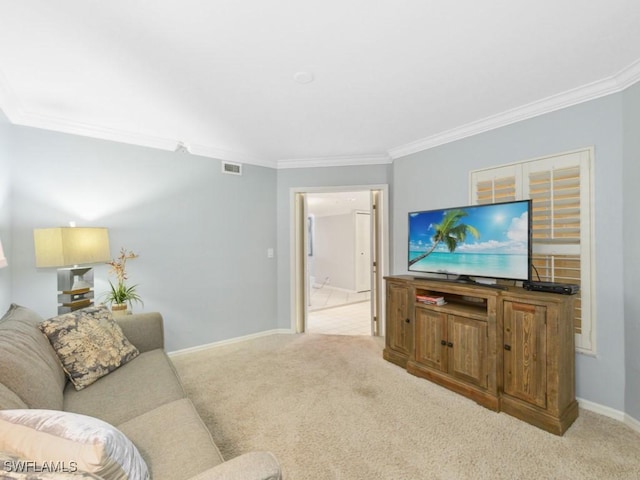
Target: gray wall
{"points": [[5, 213], [294, 178], [439, 178], [202, 236], [631, 234]]}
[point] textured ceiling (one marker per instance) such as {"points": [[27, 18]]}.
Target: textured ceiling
{"points": [[389, 77]]}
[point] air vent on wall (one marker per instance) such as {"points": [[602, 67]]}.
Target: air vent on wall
{"points": [[232, 168]]}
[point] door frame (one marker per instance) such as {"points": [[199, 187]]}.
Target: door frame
{"points": [[298, 274]]}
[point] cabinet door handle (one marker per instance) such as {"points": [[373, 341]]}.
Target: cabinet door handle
{"points": [[449, 344], [407, 320], [507, 347], [443, 343]]}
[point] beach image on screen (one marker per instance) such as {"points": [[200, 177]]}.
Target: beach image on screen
{"points": [[482, 240]]}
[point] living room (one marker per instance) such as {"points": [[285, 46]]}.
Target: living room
{"points": [[203, 236]]}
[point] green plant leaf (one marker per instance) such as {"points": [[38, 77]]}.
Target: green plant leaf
{"points": [[120, 293]]}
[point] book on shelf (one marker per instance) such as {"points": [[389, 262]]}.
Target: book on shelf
{"points": [[430, 300]]}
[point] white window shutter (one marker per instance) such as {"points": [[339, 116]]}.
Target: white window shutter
{"points": [[563, 248]]}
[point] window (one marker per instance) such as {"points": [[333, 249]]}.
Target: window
{"points": [[562, 224]]}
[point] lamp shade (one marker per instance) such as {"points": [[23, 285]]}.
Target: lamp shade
{"points": [[3, 259], [68, 246]]}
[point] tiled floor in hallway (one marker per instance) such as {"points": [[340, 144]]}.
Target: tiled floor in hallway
{"points": [[352, 319], [326, 297]]}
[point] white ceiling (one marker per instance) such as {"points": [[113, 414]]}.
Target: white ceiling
{"points": [[390, 77], [338, 203]]}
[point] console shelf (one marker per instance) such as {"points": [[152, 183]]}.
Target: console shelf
{"points": [[508, 349], [466, 310]]}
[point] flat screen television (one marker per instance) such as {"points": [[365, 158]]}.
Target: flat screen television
{"points": [[489, 241]]}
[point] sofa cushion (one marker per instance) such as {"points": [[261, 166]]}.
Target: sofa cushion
{"points": [[145, 330], [89, 343], [77, 441], [29, 366], [184, 448], [137, 387], [9, 399]]}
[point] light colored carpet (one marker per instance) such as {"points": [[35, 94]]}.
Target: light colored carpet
{"points": [[329, 407]]}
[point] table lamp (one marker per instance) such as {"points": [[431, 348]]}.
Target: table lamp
{"points": [[71, 249]]}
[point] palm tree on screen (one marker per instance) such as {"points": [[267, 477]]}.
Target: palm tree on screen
{"points": [[449, 231]]}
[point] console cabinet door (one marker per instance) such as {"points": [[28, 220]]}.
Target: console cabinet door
{"points": [[467, 342], [431, 339], [400, 334], [525, 352]]}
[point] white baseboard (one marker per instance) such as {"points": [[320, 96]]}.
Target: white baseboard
{"points": [[319, 286], [229, 341], [632, 422], [601, 409], [610, 412]]}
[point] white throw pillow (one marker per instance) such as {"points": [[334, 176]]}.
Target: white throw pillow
{"points": [[13, 467], [63, 440]]}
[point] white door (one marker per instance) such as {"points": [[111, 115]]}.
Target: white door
{"points": [[363, 251]]}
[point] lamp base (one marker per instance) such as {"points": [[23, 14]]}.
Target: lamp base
{"points": [[75, 288]]}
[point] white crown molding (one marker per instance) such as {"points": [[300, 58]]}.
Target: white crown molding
{"points": [[226, 155], [335, 161], [8, 100], [630, 75], [94, 131], [18, 116], [617, 83]]}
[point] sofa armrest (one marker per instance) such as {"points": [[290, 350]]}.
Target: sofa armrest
{"points": [[144, 330], [250, 466]]}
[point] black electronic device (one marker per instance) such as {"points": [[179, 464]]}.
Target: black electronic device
{"points": [[552, 287]]}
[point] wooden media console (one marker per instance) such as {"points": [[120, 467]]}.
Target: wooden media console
{"points": [[510, 349]]}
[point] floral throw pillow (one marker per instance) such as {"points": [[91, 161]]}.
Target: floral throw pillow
{"points": [[89, 344]]}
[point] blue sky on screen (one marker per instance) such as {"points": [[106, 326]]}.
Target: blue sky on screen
{"points": [[503, 228]]}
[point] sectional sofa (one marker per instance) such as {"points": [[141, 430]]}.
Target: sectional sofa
{"points": [[131, 420]]}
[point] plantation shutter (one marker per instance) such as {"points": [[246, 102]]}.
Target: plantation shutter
{"points": [[559, 188], [496, 185], [554, 187]]}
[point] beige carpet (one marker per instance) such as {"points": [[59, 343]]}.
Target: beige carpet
{"points": [[329, 407]]}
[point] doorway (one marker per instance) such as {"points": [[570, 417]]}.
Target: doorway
{"points": [[338, 259], [338, 263]]}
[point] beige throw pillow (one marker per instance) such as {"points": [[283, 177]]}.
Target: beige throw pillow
{"points": [[89, 344], [12, 467], [60, 443]]}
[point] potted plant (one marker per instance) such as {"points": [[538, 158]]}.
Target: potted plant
{"points": [[121, 296]]}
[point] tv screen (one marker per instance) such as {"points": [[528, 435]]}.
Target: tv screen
{"points": [[491, 241]]}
